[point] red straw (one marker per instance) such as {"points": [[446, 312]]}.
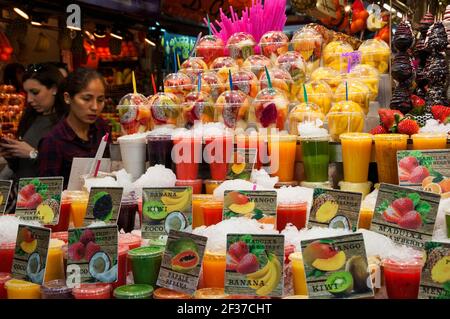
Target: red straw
{"points": [[154, 84]]}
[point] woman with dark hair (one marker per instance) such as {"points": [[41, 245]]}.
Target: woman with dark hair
{"points": [[79, 134], [13, 75], [45, 107]]}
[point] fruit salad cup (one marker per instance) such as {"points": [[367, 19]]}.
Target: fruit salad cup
{"points": [[134, 114], [308, 42], [273, 44], [210, 47], [375, 53], [386, 147], [165, 110], [280, 79], [304, 112], [178, 84], [192, 67], [246, 81], [293, 63], [198, 107], [358, 92], [257, 64], [212, 85], [367, 75], [332, 77], [222, 66], [271, 109], [318, 92], [345, 117], [332, 55], [240, 46], [232, 109]]}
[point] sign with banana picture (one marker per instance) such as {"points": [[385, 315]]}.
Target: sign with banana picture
{"points": [[164, 209], [254, 265]]}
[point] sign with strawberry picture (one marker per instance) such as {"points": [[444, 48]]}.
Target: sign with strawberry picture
{"points": [[39, 199], [337, 267], [92, 254], [243, 163], [103, 205], [5, 190], [255, 265], [30, 253], [435, 279], [428, 170], [405, 215], [181, 262], [259, 205]]}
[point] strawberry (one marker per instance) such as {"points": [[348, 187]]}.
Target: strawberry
{"points": [[408, 126], [403, 205], [418, 105], [76, 251], [387, 117], [411, 220], [440, 112], [418, 174], [390, 215], [378, 130], [27, 191], [408, 163]]}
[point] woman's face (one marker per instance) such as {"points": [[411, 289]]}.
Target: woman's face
{"points": [[87, 105], [39, 97]]}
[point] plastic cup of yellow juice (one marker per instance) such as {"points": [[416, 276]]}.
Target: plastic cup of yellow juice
{"points": [[386, 147], [426, 141], [356, 151]]}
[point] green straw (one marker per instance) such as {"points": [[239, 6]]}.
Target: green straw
{"points": [[305, 95], [199, 82], [230, 79], [209, 24], [346, 90], [269, 82]]}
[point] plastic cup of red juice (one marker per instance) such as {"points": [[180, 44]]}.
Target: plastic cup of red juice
{"points": [[187, 156], [4, 277], [402, 278], [6, 256]]}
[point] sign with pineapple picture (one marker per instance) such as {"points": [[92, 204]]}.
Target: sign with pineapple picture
{"points": [[435, 279]]}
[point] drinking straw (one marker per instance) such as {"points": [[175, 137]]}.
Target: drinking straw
{"points": [[269, 82], [195, 44], [209, 24], [346, 90], [178, 60], [305, 95], [154, 84], [175, 61], [133, 78], [230, 79], [199, 82], [98, 156]]}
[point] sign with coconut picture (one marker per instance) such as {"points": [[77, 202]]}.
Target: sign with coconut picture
{"points": [[255, 265], [103, 205], [181, 262], [405, 215], [435, 279], [335, 209], [39, 199], [259, 205], [30, 253], [164, 209], [244, 160], [337, 267], [92, 254], [5, 190], [428, 170]]}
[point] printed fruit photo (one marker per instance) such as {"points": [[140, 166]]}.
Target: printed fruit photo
{"points": [[28, 198], [27, 240], [103, 206], [323, 256], [340, 283], [185, 255], [267, 278], [325, 208]]}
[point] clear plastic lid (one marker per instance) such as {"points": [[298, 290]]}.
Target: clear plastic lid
{"points": [[375, 53], [232, 108], [293, 63], [332, 77], [179, 84], [210, 47], [355, 91], [193, 66], [165, 109], [271, 108], [134, 113], [281, 79], [18, 284], [318, 92], [332, 54], [164, 293], [55, 287], [240, 46], [274, 43], [212, 84], [146, 251], [304, 112], [135, 291], [245, 81], [198, 106], [256, 64], [133, 99], [92, 289], [369, 76], [222, 66], [210, 293], [308, 42], [344, 117]]}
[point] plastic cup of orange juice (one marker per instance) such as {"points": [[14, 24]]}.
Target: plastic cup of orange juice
{"points": [[78, 206], [298, 274], [386, 147], [213, 271], [197, 213], [282, 150], [21, 289], [425, 141], [212, 212], [356, 151]]}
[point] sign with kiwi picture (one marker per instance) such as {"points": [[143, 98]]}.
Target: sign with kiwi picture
{"points": [[39, 199], [103, 205], [337, 267], [5, 190], [435, 279], [244, 160]]}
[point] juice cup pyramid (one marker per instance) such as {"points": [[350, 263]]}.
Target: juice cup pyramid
{"points": [[332, 77], [198, 107], [256, 64], [246, 81], [222, 66], [358, 92], [369, 76], [304, 112], [134, 114], [165, 109], [332, 55], [240, 46], [271, 108], [212, 85], [210, 47], [280, 79], [193, 66], [232, 108], [318, 92], [308, 42], [178, 84], [345, 117], [273, 44], [375, 53]]}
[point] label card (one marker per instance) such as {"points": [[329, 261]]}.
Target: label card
{"points": [[257, 205], [5, 191], [103, 205], [182, 260], [428, 170], [164, 209], [30, 254], [405, 215], [435, 279], [242, 166], [80, 167], [255, 265], [39, 199], [337, 267], [335, 209], [92, 254]]}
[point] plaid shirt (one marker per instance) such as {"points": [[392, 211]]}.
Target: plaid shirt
{"points": [[58, 148]]}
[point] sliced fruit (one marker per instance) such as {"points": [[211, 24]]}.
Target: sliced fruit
{"points": [[318, 250], [339, 222], [238, 168], [330, 264], [326, 212], [29, 248], [440, 272], [175, 221], [99, 263], [427, 180], [340, 283], [45, 213], [242, 209], [185, 261], [33, 264]]}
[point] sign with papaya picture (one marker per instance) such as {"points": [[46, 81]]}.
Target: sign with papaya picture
{"points": [[405, 215], [5, 190], [435, 278], [39, 199], [428, 170], [244, 160]]}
